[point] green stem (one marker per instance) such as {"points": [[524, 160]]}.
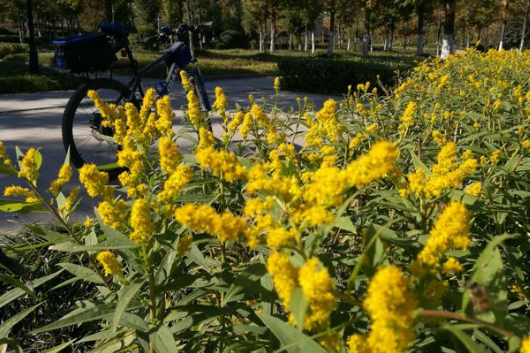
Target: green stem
{"points": [[455, 316]]}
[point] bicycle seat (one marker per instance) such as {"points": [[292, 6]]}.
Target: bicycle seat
{"points": [[116, 29]]}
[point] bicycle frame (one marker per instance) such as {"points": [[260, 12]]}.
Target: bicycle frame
{"points": [[165, 86]]}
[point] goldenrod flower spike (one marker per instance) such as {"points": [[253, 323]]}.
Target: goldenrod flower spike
{"points": [[65, 173], [111, 264]]}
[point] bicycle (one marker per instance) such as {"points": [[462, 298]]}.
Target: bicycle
{"points": [[86, 139]]}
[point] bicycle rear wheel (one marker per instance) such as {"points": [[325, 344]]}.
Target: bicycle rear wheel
{"points": [[83, 134]]}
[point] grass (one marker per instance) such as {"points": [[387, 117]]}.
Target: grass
{"points": [[15, 77]]}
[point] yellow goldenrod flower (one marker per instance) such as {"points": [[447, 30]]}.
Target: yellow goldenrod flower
{"points": [[318, 291], [220, 103], [204, 218], [21, 191], [206, 138], [141, 223], [147, 104], [164, 123], [174, 184], [195, 114], [93, 180], [440, 138], [452, 265], [474, 189], [184, 243], [279, 236], [169, 155], [450, 231], [65, 173], [29, 166], [277, 84], [390, 305], [186, 83], [495, 157], [221, 163], [525, 344], [113, 213], [284, 276], [111, 264], [246, 125], [3, 151], [357, 344], [332, 342], [526, 144], [375, 164], [70, 200]]}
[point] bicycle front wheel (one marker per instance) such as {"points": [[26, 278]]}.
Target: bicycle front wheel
{"points": [[83, 133]]}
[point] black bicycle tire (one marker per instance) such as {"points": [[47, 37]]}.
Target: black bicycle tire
{"points": [[70, 111]]}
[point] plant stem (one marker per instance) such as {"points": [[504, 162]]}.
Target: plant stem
{"points": [[455, 316]]}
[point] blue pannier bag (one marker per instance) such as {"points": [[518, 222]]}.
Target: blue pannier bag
{"points": [[86, 53]]}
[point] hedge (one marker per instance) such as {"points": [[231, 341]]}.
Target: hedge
{"points": [[326, 75]]}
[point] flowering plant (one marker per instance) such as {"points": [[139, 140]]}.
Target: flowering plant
{"points": [[374, 224]]}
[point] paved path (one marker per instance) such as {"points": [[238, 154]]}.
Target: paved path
{"points": [[34, 120]]}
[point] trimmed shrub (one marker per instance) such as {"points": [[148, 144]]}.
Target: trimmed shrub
{"points": [[12, 48], [232, 39], [334, 76]]}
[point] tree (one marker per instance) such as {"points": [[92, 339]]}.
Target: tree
{"points": [[256, 14], [448, 43]]}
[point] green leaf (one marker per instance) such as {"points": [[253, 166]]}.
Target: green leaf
{"points": [[292, 340], [127, 293], [104, 311], [59, 347], [16, 283], [12, 321], [299, 307], [346, 224], [114, 243], [247, 279], [17, 292], [84, 273], [163, 340], [488, 272], [471, 346], [14, 206], [123, 340], [4, 169]]}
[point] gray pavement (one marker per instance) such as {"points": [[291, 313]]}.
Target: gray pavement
{"points": [[34, 120]]}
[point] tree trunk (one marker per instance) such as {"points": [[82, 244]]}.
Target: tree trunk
{"points": [[306, 39], [448, 44], [392, 28], [468, 41], [261, 41], [387, 40], [273, 32], [523, 31], [331, 33], [290, 42], [421, 32], [190, 21], [312, 42], [348, 46], [503, 30], [109, 13], [20, 28], [366, 33]]}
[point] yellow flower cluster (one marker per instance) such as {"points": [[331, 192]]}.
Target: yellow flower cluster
{"points": [[113, 213], [450, 231], [318, 291], [446, 174], [184, 244], [174, 183], [29, 166], [324, 126], [316, 285], [390, 305], [141, 223], [222, 163], [131, 178], [195, 115], [204, 218], [21, 191], [111, 264], [94, 181], [169, 155], [186, 83], [474, 189], [220, 103], [70, 201], [65, 173], [525, 344]]}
